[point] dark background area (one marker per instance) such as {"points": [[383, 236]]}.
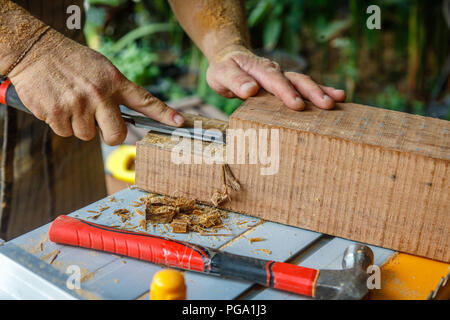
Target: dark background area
{"points": [[403, 66]]}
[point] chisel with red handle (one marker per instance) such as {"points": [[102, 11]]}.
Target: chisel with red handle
{"points": [[9, 97], [188, 256]]}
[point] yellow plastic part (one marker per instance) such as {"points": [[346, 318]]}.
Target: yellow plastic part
{"points": [[408, 277], [168, 284], [118, 163]]}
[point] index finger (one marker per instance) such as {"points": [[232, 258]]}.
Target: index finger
{"points": [[270, 77], [137, 98]]}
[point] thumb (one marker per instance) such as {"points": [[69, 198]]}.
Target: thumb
{"points": [[137, 98]]}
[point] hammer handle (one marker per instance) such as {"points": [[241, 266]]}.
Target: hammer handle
{"points": [[183, 255]]}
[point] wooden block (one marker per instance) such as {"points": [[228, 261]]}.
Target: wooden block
{"points": [[358, 172]]}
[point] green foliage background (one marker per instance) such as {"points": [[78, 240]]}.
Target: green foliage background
{"points": [[398, 67]]}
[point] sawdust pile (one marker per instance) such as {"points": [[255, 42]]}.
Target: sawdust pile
{"points": [[183, 215]]}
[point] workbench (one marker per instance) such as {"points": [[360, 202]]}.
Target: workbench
{"points": [[28, 272]]}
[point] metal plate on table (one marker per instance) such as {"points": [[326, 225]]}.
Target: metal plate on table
{"points": [[109, 276]]}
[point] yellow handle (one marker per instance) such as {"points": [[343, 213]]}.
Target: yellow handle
{"points": [[118, 163]]}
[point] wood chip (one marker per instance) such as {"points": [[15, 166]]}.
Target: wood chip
{"points": [[139, 212], [186, 213], [124, 214], [95, 217], [257, 239], [219, 197], [217, 234], [136, 204], [266, 251], [143, 224], [179, 226], [230, 178], [52, 255]]}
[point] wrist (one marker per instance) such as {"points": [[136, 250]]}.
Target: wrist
{"points": [[19, 29], [43, 46], [39, 34], [225, 52]]}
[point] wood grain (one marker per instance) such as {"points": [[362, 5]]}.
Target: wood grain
{"points": [[357, 172]]}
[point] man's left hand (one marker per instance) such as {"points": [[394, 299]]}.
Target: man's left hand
{"points": [[241, 73]]}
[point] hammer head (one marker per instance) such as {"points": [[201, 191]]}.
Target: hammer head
{"points": [[350, 283]]}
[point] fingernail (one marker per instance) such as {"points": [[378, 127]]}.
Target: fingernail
{"points": [[327, 97], [300, 102], [178, 118], [247, 87]]}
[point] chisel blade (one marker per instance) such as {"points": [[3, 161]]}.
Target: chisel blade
{"points": [[188, 132]]}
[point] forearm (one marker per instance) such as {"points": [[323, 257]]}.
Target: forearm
{"points": [[18, 30], [216, 27]]}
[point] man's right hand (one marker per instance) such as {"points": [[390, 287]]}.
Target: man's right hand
{"points": [[70, 86]]}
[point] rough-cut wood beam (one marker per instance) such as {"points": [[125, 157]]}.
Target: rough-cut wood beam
{"points": [[358, 172]]}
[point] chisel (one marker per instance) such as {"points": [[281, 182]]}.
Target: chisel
{"points": [[9, 97], [349, 283]]}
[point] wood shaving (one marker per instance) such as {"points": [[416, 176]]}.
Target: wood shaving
{"points": [[52, 255], [125, 225], [41, 244], [266, 251], [219, 197], [217, 234], [124, 214], [251, 240], [136, 204], [139, 212], [143, 224], [230, 178], [95, 217]]}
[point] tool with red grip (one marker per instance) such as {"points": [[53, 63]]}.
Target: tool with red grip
{"points": [[9, 97], [324, 284]]}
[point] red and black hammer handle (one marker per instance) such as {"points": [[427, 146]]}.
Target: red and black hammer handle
{"points": [[9, 96], [183, 255]]}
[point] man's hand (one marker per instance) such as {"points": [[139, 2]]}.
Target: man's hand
{"points": [[240, 73], [70, 87]]}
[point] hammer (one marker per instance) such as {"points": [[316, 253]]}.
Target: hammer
{"points": [[348, 283]]}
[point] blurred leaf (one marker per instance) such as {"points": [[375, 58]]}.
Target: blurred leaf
{"points": [[418, 107], [112, 3], [332, 29], [391, 99], [271, 34], [135, 34], [137, 64], [258, 13]]}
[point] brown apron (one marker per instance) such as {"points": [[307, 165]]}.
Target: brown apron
{"points": [[42, 174]]}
